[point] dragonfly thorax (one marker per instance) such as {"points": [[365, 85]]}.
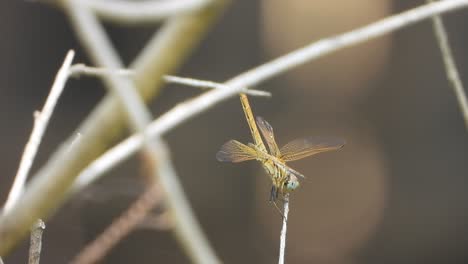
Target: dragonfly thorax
{"points": [[282, 176]]}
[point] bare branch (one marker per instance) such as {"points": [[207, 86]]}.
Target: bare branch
{"points": [[450, 65], [284, 229], [129, 12], [209, 84], [41, 120], [36, 242]]}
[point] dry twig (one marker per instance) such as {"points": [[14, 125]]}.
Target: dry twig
{"points": [[450, 65], [41, 120], [78, 70]]}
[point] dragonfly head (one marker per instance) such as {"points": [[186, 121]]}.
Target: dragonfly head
{"points": [[291, 184]]}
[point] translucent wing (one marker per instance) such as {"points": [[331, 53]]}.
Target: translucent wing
{"points": [[267, 132], [301, 148], [234, 151]]}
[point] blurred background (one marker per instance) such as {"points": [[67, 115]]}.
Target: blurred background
{"points": [[394, 194]]}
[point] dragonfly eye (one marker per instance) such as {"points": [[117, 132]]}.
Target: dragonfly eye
{"points": [[291, 185]]}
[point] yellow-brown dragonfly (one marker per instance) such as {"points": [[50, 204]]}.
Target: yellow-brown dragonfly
{"points": [[284, 178]]}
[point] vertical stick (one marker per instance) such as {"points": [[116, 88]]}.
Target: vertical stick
{"points": [[36, 242], [284, 229]]}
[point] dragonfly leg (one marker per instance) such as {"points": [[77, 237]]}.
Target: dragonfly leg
{"points": [[278, 209], [273, 198], [273, 193]]}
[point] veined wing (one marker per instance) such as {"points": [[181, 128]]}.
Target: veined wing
{"points": [[234, 151], [301, 148], [267, 131]]}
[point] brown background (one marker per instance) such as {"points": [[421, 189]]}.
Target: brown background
{"points": [[394, 194]]}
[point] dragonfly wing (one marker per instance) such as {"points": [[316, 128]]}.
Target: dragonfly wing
{"points": [[304, 147], [267, 131], [234, 151]]}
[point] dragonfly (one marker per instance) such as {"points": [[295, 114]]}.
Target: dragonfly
{"points": [[284, 178]]}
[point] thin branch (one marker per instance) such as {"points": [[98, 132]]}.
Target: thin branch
{"points": [[36, 242], [77, 70], [41, 120], [209, 84], [450, 65], [62, 170], [129, 12], [284, 229], [121, 227]]}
